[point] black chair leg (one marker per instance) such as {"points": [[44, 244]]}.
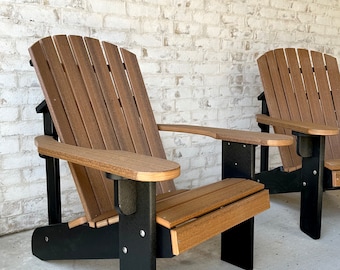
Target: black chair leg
{"points": [[237, 245], [312, 151]]}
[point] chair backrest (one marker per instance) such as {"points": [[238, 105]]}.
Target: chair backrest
{"points": [[97, 99], [302, 85]]}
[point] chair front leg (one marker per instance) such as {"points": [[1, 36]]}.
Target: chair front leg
{"points": [[237, 244], [137, 231], [312, 151]]}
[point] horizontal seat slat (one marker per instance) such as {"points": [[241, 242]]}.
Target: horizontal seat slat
{"points": [[172, 201], [167, 195], [201, 229], [198, 202]]}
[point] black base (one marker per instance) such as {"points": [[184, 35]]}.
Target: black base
{"points": [[279, 181], [58, 242]]}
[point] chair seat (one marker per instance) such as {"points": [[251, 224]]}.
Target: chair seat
{"points": [[218, 206], [208, 211]]}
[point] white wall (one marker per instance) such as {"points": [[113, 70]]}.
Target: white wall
{"points": [[198, 59]]}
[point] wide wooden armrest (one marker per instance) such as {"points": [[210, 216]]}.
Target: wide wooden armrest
{"points": [[122, 163], [239, 136], [303, 127]]}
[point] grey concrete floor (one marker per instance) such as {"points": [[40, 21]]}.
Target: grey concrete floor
{"points": [[279, 244]]}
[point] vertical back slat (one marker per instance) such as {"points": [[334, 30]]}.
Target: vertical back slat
{"points": [[288, 106], [145, 111], [271, 80], [310, 86], [112, 103], [326, 102], [288, 95], [127, 100], [93, 96], [52, 78], [90, 136], [334, 82], [298, 85]]}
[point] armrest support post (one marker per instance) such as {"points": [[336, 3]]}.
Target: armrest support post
{"points": [[137, 232], [312, 151], [264, 157], [52, 170]]}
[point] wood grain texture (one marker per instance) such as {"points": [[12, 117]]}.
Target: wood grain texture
{"points": [[303, 127], [240, 136], [199, 202], [192, 233], [302, 89], [123, 163]]}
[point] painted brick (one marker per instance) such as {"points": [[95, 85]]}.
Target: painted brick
{"points": [[74, 17], [143, 10], [108, 7], [120, 23]]}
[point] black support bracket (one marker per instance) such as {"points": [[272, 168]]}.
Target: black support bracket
{"points": [[52, 169], [125, 194], [312, 151]]}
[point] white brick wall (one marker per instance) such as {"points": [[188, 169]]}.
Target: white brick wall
{"points": [[198, 58]]}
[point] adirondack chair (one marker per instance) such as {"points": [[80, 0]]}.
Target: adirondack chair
{"points": [[302, 97], [96, 105]]}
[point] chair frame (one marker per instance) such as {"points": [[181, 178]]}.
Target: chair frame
{"points": [[313, 177]]}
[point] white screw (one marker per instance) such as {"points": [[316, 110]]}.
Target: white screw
{"points": [[125, 250], [315, 172], [142, 233]]}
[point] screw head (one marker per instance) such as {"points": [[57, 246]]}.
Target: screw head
{"points": [[125, 250], [142, 233]]}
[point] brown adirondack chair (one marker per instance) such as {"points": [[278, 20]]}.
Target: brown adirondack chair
{"points": [[99, 108], [302, 96]]}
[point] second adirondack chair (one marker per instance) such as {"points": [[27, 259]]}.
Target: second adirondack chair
{"points": [[302, 97]]}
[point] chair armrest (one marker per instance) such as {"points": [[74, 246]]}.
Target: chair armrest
{"points": [[303, 127], [122, 163], [239, 136]]}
